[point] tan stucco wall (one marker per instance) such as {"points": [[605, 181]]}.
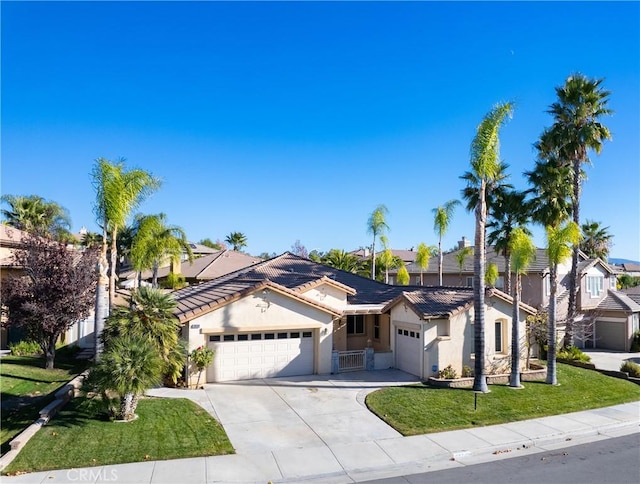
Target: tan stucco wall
{"points": [[258, 312], [451, 342], [327, 295]]}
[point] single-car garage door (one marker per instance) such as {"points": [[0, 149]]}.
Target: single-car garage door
{"points": [[610, 335], [243, 356], [409, 350]]}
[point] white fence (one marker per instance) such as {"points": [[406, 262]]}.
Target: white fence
{"points": [[351, 360]]}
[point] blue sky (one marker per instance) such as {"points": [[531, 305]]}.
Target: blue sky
{"points": [[292, 121]]}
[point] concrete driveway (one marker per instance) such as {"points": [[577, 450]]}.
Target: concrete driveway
{"points": [[302, 412], [611, 360]]}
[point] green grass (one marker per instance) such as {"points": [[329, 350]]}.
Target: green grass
{"points": [[420, 409], [27, 387], [165, 429]]}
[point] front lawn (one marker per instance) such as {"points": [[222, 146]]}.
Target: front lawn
{"points": [[420, 409], [27, 388], [165, 429]]}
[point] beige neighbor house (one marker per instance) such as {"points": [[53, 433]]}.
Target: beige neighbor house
{"points": [[609, 318], [81, 333], [205, 266], [290, 316]]}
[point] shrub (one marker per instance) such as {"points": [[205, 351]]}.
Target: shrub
{"points": [[572, 353], [467, 372], [448, 373], [635, 345], [25, 348], [632, 368], [174, 281]]}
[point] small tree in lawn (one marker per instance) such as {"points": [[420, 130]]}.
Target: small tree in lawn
{"points": [[55, 291], [201, 358]]}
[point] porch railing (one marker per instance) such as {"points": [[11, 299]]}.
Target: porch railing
{"points": [[351, 360]]}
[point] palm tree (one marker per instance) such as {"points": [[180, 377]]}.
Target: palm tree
{"points": [[508, 211], [522, 251], [423, 255], [560, 240], [577, 128], [130, 365], [155, 241], [118, 193], [237, 240], [596, 241], [339, 259], [376, 226], [91, 240], [149, 314], [485, 165], [386, 258], [34, 214], [442, 216], [494, 187], [461, 257]]}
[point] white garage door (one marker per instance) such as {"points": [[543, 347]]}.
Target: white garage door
{"points": [[409, 350], [243, 356]]}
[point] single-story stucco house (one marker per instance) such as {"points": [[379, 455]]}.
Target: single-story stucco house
{"points": [[290, 316]]}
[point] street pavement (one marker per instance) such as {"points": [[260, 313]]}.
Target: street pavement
{"points": [[318, 429]]}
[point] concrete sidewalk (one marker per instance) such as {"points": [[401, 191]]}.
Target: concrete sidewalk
{"points": [[301, 430]]}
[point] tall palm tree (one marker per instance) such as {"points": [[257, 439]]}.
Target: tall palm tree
{"points": [[522, 251], [495, 187], [596, 240], [577, 128], [508, 211], [237, 240], [155, 241], [442, 216], [424, 253], [485, 149], [560, 240], [33, 213], [118, 192], [376, 226], [149, 314]]}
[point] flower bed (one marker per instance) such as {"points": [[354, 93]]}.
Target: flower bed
{"points": [[535, 373]]}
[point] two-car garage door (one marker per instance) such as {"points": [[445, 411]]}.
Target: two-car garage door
{"points": [[242, 356]]}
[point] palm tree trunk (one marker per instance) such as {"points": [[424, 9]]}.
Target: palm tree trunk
{"points": [[573, 275], [102, 306], [373, 258], [507, 275], [480, 379], [440, 261], [514, 381], [551, 335], [126, 402], [112, 267]]}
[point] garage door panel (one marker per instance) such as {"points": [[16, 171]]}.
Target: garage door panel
{"points": [[408, 351], [260, 358], [611, 335]]}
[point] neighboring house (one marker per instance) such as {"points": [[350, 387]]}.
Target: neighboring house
{"points": [[290, 316], [203, 268], [11, 239], [608, 315], [629, 268]]}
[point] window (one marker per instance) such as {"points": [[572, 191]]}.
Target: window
{"points": [[595, 285], [500, 283], [376, 328], [391, 280], [228, 337], [418, 281], [214, 337], [256, 336], [355, 324], [306, 334], [269, 336], [243, 337], [282, 335], [498, 336], [295, 334], [546, 285], [470, 281], [635, 323]]}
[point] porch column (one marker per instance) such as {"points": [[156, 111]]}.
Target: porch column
{"points": [[368, 359], [334, 362]]}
